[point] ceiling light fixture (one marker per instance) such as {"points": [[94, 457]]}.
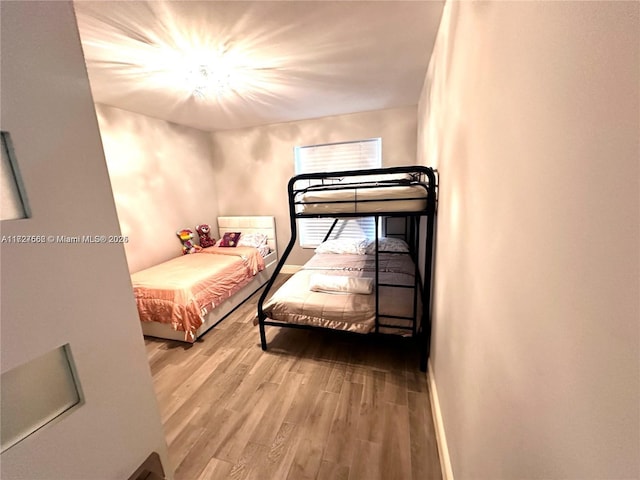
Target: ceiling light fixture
{"points": [[209, 75], [203, 80]]}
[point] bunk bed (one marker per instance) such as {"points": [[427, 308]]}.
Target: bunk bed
{"points": [[373, 289]]}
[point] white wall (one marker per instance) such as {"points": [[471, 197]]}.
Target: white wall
{"points": [[163, 181], [530, 111], [80, 294], [253, 165]]}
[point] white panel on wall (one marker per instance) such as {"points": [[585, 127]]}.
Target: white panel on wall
{"points": [[35, 393]]}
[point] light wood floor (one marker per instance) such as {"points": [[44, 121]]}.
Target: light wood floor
{"points": [[315, 405]]}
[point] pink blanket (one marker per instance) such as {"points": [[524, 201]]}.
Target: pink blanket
{"points": [[251, 256], [183, 290]]}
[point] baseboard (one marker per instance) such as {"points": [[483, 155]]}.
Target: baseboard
{"points": [[290, 269], [441, 438]]}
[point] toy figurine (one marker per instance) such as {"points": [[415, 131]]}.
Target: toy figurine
{"points": [[204, 232], [186, 237]]}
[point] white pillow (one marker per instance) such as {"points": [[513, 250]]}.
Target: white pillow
{"points": [[255, 239], [387, 244], [339, 245]]}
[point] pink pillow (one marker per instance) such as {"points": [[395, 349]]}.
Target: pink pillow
{"points": [[229, 239]]}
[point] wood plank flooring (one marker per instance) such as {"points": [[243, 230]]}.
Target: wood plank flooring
{"points": [[315, 405]]}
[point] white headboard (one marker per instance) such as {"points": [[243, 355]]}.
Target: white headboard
{"points": [[246, 224]]}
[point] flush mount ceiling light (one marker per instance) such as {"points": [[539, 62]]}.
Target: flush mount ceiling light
{"points": [[204, 80], [209, 74], [190, 67]]}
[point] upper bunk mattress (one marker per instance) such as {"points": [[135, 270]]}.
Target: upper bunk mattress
{"points": [[366, 199]]}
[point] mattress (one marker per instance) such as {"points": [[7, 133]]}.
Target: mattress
{"points": [[377, 199], [253, 257], [183, 290], [295, 302]]}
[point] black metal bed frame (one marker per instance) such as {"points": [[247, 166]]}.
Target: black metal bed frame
{"points": [[424, 177]]}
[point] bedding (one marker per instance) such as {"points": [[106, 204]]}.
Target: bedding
{"points": [[296, 302], [340, 284], [363, 246], [401, 198], [256, 240], [183, 290], [387, 244], [252, 239], [252, 257], [387, 263], [340, 245], [264, 250]]}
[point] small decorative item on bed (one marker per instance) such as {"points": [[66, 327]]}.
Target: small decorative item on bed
{"points": [[204, 233], [363, 286], [186, 237], [229, 239]]}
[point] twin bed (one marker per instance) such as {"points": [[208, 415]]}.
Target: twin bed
{"points": [[372, 287], [184, 297]]}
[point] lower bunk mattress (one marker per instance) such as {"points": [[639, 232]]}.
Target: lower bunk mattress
{"points": [[331, 292], [183, 290]]}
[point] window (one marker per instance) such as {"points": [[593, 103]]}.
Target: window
{"points": [[356, 155]]}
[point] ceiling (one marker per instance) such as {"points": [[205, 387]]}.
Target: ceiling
{"points": [[279, 61]]}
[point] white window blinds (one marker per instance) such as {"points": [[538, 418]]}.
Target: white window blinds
{"points": [[356, 155]]}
